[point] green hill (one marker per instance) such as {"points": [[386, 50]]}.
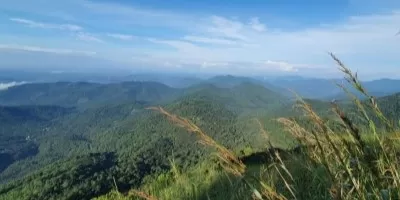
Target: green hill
{"points": [[83, 94], [243, 96], [129, 131], [118, 141], [229, 81], [19, 126]]}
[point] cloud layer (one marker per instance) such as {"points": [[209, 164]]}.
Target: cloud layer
{"points": [[44, 50], [214, 42], [5, 86], [34, 24]]}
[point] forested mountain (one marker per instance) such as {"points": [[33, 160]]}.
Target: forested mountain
{"points": [[313, 88], [390, 106], [19, 128], [325, 89], [84, 94], [244, 95], [76, 140], [112, 126], [30, 113]]}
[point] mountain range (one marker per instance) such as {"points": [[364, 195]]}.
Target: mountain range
{"points": [[325, 89], [76, 140]]}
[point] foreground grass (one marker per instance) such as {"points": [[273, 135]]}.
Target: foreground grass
{"points": [[330, 163]]}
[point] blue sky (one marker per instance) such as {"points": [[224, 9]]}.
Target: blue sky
{"points": [[240, 37]]}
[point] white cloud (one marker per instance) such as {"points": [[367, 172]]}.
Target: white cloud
{"points": [[34, 24], [209, 40], [43, 49], [221, 26], [5, 86], [121, 36], [130, 15], [194, 40], [87, 37], [70, 27], [257, 25], [214, 64], [171, 65], [67, 27], [285, 66], [177, 44], [360, 41]]}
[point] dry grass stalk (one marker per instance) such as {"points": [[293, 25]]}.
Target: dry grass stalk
{"points": [[281, 163], [297, 131], [323, 133], [230, 161], [335, 152], [352, 78], [354, 81], [263, 132]]}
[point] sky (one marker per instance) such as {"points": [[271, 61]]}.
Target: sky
{"points": [[238, 37]]}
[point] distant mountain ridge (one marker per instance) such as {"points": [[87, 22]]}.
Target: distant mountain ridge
{"points": [[83, 94], [312, 88], [316, 88]]}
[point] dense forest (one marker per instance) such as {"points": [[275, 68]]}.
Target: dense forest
{"points": [[82, 140]]}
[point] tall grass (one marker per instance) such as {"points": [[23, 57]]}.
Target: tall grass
{"points": [[350, 164]]}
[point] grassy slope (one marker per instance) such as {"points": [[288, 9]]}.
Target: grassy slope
{"points": [[346, 163], [310, 176]]}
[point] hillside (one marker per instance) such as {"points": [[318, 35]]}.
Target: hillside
{"points": [[312, 88], [302, 170], [115, 138], [390, 106], [19, 128], [150, 88], [84, 94], [25, 114], [229, 81], [128, 131], [244, 95]]}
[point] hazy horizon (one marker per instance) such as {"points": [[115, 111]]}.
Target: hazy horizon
{"points": [[16, 76]]}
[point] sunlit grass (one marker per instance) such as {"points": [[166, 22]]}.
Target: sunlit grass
{"points": [[354, 163]]}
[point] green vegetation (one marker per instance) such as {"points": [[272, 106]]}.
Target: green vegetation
{"points": [[83, 95], [134, 135], [226, 139], [19, 128], [331, 163]]}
